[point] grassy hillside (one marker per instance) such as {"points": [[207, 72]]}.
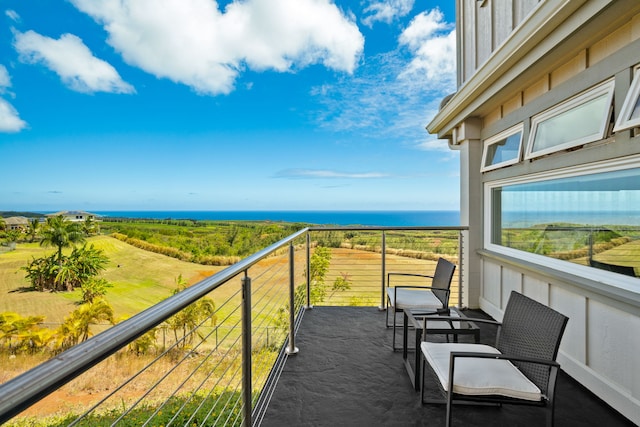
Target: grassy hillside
{"points": [[140, 279]]}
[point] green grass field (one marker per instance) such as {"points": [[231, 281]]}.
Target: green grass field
{"points": [[140, 279]]}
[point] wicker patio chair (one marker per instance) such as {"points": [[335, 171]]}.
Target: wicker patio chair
{"points": [[425, 298], [520, 369]]}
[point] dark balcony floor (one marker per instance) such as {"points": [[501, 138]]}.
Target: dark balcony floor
{"points": [[346, 374]]}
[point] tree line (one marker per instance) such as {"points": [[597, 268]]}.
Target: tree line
{"points": [[81, 269]]}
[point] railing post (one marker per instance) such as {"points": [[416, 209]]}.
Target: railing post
{"points": [[460, 264], [309, 270], [292, 349], [383, 298], [246, 351]]}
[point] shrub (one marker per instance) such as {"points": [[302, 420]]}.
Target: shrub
{"points": [[65, 273]]}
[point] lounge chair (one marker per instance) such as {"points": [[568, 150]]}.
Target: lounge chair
{"points": [[426, 298], [520, 369]]}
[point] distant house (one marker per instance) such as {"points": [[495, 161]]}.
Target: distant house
{"points": [[16, 223], [74, 216]]}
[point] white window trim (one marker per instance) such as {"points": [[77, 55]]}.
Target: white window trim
{"points": [[623, 121], [499, 137], [595, 92], [615, 280]]}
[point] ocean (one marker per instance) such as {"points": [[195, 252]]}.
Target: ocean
{"points": [[344, 218]]}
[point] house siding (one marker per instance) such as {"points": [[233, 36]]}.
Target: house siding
{"points": [[585, 43]]}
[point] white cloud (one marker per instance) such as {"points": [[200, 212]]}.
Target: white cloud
{"points": [[192, 42], [5, 79], [433, 43], [10, 121], [12, 14], [326, 174], [386, 11], [432, 143], [72, 60], [395, 94]]}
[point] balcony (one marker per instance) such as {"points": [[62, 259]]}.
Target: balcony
{"points": [[346, 374], [297, 337]]}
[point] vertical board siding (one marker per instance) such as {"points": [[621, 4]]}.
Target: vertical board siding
{"points": [[503, 21], [485, 26], [574, 341], [468, 38], [484, 33]]}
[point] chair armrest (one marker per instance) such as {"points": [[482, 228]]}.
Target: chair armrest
{"points": [[421, 287], [426, 276], [462, 319], [445, 311]]}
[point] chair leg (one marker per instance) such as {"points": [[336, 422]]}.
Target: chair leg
{"points": [[387, 314], [449, 407], [550, 417], [393, 345], [423, 363]]}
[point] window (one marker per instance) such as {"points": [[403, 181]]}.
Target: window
{"points": [[629, 116], [502, 149], [575, 122], [587, 218]]}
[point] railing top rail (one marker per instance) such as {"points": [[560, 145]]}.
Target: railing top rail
{"points": [[24, 390], [384, 228]]}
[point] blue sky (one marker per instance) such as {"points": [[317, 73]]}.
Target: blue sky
{"points": [[228, 105]]}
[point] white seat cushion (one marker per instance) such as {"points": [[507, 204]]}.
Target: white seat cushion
{"points": [[413, 298], [479, 377]]}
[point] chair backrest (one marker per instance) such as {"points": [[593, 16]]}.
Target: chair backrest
{"points": [[442, 280], [531, 329]]}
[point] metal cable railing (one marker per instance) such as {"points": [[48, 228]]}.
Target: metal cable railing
{"points": [[222, 368]]}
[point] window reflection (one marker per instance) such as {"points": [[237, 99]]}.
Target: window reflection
{"points": [[589, 219]]}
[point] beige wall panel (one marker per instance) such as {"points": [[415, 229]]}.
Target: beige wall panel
{"points": [[493, 116], [573, 306], [569, 69], [613, 344], [610, 44], [511, 281], [512, 104], [536, 89], [635, 28], [536, 289], [491, 282]]}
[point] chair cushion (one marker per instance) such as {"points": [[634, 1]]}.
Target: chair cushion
{"points": [[413, 298], [479, 377]]}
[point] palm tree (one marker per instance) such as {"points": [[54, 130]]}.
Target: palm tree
{"points": [[189, 319], [76, 326], [32, 231], [22, 330], [89, 226], [61, 233]]}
